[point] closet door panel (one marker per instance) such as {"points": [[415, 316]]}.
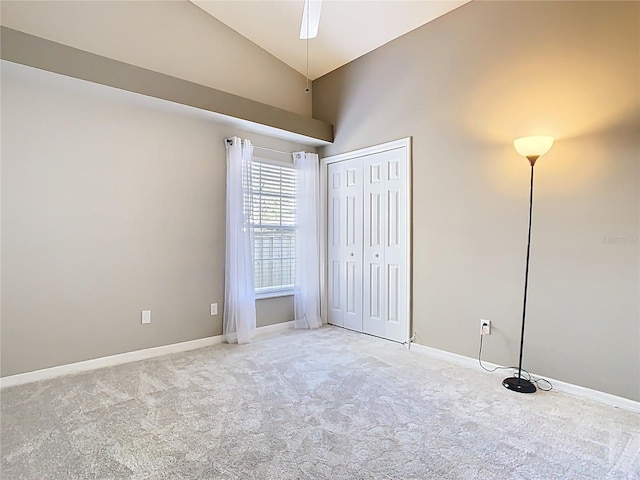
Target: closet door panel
{"points": [[353, 244], [396, 246], [374, 299], [336, 218]]}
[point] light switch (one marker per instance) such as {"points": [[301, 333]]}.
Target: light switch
{"points": [[146, 316], [214, 309]]}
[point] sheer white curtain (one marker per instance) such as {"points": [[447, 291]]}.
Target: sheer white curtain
{"points": [[239, 322], [307, 283]]}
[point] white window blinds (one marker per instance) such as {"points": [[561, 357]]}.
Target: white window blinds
{"points": [[272, 203]]}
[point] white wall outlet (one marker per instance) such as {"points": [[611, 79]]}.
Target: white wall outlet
{"points": [[146, 316], [485, 327], [214, 309]]}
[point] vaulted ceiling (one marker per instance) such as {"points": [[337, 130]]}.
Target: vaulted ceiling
{"points": [[348, 29]]}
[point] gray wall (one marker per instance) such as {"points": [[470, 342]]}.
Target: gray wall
{"points": [[172, 37], [464, 86], [111, 203], [270, 311]]}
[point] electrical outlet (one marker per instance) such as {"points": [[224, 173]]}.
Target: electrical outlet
{"points": [[214, 309], [146, 316], [485, 327]]}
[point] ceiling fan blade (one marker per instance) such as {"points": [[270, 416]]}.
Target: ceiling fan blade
{"points": [[310, 19]]}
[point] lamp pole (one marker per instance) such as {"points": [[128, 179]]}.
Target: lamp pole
{"points": [[518, 383]]}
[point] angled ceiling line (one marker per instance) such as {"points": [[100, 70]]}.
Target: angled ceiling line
{"points": [[350, 29]]}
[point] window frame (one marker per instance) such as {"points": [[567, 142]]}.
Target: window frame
{"points": [[283, 290]]}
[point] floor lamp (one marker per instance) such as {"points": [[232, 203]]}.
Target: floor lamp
{"points": [[532, 148]]}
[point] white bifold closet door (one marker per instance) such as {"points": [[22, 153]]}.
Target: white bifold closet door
{"points": [[368, 245], [345, 244]]}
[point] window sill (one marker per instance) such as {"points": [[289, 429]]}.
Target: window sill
{"points": [[279, 293]]}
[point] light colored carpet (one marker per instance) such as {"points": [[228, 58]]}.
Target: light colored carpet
{"points": [[326, 404]]}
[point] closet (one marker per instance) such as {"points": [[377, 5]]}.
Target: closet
{"points": [[367, 249]]}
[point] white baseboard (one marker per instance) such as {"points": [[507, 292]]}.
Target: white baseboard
{"points": [[136, 355], [276, 327], [559, 385]]}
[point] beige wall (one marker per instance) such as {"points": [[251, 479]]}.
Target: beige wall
{"points": [[464, 86], [172, 37], [111, 203]]}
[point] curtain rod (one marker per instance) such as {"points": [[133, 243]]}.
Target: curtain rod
{"points": [[229, 141]]}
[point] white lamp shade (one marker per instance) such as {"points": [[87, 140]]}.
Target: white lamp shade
{"points": [[533, 146]]}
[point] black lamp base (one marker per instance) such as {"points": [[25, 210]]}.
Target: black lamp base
{"points": [[519, 385]]}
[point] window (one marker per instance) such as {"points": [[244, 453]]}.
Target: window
{"points": [[272, 203]]}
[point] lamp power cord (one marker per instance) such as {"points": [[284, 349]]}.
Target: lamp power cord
{"points": [[548, 386]]}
